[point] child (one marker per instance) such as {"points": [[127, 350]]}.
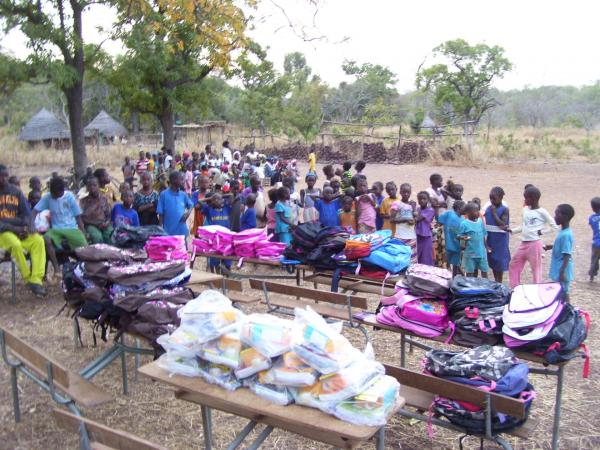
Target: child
{"points": [[271, 211], [106, 187], [403, 215], [535, 222], [283, 216], [307, 199], [294, 200], [346, 175], [174, 207], [123, 213], [386, 207], [438, 202], [497, 219], [188, 179], [328, 172], [216, 212], [594, 222], [96, 214], [561, 264], [365, 208], [328, 206], [312, 162], [197, 196], [472, 231], [453, 192], [347, 214], [15, 181], [451, 221], [236, 204], [360, 166], [35, 184], [248, 219], [336, 183], [377, 190], [423, 218], [145, 201]]}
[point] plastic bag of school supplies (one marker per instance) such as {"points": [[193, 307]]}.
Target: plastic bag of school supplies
{"points": [[180, 365], [251, 362], [280, 395], [220, 375], [184, 341], [371, 407], [290, 370], [268, 334], [319, 345], [211, 315], [224, 350]]}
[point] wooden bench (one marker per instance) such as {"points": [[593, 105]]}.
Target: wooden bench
{"points": [[6, 258], [330, 305], [419, 390], [48, 374], [232, 288], [352, 284], [100, 437], [307, 422]]}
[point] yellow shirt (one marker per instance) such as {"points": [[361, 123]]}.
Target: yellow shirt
{"points": [[150, 165], [385, 209], [111, 193], [312, 162]]}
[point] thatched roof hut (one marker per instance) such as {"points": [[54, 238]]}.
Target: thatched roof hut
{"points": [[106, 126], [44, 126]]}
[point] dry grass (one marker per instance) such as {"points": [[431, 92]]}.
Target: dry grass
{"points": [[151, 411]]}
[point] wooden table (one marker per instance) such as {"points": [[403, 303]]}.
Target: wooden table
{"points": [[307, 422]]}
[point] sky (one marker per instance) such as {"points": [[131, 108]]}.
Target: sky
{"points": [[549, 42]]}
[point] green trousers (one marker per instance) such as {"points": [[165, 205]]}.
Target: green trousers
{"points": [[74, 237], [98, 236], [32, 244]]}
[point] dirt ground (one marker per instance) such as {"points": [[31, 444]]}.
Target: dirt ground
{"points": [[150, 410]]}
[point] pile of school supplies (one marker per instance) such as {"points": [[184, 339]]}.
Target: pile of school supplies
{"points": [[252, 243], [305, 361], [123, 290]]}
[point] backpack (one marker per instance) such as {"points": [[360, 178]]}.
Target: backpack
{"points": [[564, 339], [137, 274], [533, 305], [160, 312], [472, 419], [305, 235], [513, 382], [486, 361], [105, 252], [475, 326], [135, 237], [71, 285], [393, 256], [354, 249], [429, 280], [244, 242], [166, 248], [424, 317], [462, 286], [131, 301]]}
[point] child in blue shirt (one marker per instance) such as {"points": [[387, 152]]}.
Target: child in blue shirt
{"points": [[283, 216], [561, 264], [473, 232], [377, 189], [216, 212], [451, 220], [248, 219], [594, 222], [328, 208], [174, 206], [123, 213]]}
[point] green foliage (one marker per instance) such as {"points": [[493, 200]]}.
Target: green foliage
{"points": [[304, 109], [461, 84], [416, 121]]}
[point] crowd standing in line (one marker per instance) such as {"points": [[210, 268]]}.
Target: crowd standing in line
{"points": [[440, 226]]}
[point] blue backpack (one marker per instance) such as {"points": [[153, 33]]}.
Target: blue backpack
{"points": [[512, 383], [393, 256]]}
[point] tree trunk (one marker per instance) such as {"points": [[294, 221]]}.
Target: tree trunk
{"points": [[75, 104], [167, 121], [135, 122]]}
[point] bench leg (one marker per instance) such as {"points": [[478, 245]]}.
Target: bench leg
{"points": [[124, 368], [381, 438], [557, 406], [206, 427], [15, 393], [136, 359], [76, 334], [13, 282], [242, 435], [402, 350], [264, 434]]}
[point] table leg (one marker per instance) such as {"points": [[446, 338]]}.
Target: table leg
{"points": [[557, 406], [124, 367], [15, 393], [402, 350], [136, 358], [242, 435], [381, 438], [264, 434], [206, 427]]}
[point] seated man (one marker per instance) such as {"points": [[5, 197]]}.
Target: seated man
{"points": [[96, 214], [16, 234], [66, 216]]}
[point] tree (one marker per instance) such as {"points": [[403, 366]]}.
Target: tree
{"points": [[172, 46], [461, 83], [59, 55]]}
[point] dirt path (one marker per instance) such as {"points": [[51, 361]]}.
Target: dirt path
{"points": [[150, 410]]}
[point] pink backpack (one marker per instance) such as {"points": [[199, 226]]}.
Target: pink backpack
{"points": [[428, 280], [216, 238], [244, 242], [166, 248], [532, 305], [269, 250], [422, 316]]}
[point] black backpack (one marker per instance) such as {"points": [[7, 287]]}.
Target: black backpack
{"points": [[135, 237], [305, 235]]}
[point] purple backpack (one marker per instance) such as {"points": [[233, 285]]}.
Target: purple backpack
{"points": [[244, 242], [166, 248], [429, 280], [422, 316]]}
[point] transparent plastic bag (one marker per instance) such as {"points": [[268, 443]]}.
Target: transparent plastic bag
{"points": [[220, 375], [224, 350], [320, 345], [290, 370], [371, 407], [184, 341], [251, 362], [309, 396], [211, 314], [349, 381], [280, 395], [180, 365], [268, 334]]}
